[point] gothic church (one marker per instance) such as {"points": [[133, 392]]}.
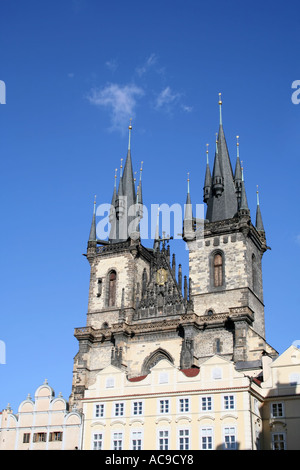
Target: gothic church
{"points": [[141, 309]]}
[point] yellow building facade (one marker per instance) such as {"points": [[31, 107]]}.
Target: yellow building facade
{"points": [[281, 409], [214, 407]]}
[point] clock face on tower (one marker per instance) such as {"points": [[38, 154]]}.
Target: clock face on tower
{"points": [[161, 276]]}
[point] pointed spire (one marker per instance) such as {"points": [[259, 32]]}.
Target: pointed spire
{"points": [[112, 212], [207, 181], [114, 196], [188, 232], [156, 243], [217, 179], [139, 195], [180, 277], [258, 223], [120, 188], [93, 237], [128, 178], [238, 170], [244, 203], [119, 202], [222, 203]]}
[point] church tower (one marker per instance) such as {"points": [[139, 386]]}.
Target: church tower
{"points": [[136, 299], [142, 310], [225, 262]]}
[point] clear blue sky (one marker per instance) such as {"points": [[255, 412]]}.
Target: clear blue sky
{"points": [[75, 72]]}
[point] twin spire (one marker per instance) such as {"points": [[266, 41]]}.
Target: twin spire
{"points": [[126, 208], [224, 192]]}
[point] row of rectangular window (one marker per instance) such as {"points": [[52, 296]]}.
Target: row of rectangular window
{"points": [[164, 406], [163, 439], [42, 437]]}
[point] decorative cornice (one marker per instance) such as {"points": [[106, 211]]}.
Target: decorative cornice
{"points": [[166, 325]]}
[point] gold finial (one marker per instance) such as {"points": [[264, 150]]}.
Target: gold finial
{"points": [[134, 179], [116, 172], [216, 137], [237, 140], [220, 106], [129, 138], [188, 182], [141, 169], [207, 148], [95, 199]]}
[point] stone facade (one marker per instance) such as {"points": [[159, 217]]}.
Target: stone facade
{"points": [[140, 310]]}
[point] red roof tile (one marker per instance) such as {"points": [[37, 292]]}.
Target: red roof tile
{"points": [[137, 379], [192, 372]]}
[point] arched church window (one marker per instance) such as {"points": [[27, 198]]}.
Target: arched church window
{"points": [[112, 280], [218, 270]]}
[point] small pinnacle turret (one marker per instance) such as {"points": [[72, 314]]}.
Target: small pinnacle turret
{"points": [[93, 236], [238, 171], [188, 231], [258, 222], [243, 209], [207, 181]]}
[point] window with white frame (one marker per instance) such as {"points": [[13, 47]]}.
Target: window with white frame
{"points": [[119, 409], [228, 402], [99, 410], [206, 438], [137, 408], [136, 440], [216, 373], [163, 378], [163, 439], [230, 437], [277, 410], [184, 405], [183, 439], [117, 440], [278, 441], [206, 403], [98, 441], [110, 382], [164, 406]]}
